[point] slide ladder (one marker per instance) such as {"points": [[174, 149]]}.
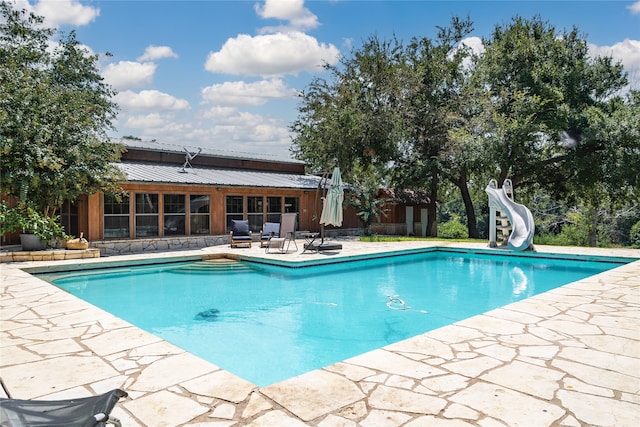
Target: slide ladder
{"points": [[503, 225], [514, 221]]}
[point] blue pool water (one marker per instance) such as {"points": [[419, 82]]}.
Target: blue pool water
{"points": [[267, 323]]}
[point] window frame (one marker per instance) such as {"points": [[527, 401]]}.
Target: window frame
{"points": [[125, 202], [144, 215], [235, 214], [195, 215]]}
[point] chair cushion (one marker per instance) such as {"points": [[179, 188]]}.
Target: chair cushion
{"points": [[240, 228], [270, 228]]}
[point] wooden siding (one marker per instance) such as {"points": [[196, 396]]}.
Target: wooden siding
{"points": [[307, 218], [90, 208]]}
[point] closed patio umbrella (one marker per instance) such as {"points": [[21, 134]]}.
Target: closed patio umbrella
{"points": [[332, 207]]}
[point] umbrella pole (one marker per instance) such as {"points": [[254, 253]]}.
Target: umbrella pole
{"points": [[324, 200]]}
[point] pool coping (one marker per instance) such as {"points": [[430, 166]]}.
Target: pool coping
{"points": [[283, 262], [446, 375]]}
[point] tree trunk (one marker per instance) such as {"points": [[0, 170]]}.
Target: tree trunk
{"points": [[472, 224], [432, 213], [502, 176]]}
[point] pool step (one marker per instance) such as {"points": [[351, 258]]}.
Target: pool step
{"points": [[218, 265]]}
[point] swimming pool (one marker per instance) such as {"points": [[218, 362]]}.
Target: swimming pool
{"points": [[266, 323]]}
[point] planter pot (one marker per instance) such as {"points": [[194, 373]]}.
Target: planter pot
{"points": [[31, 242]]}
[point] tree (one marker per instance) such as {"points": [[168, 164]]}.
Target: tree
{"points": [[548, 105], [386, 111], [433, 77], [353, 117], [54, 113], [605, 162], [539, 83]]}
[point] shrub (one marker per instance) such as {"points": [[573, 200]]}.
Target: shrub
{"points": [[453, 229], [635, 235], [25, 219]]}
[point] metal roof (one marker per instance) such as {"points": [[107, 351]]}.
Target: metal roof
{"points": [[203, 151], [174, 174]]}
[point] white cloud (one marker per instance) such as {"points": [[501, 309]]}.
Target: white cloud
{"points": [[157, 52], [634, 8], [149, 100], [147, 121], [271, 55], [628, 52], [222, 128], [292, 11], [128, 74], [243, 131], [243, 93], [61, 12], [475, 44]]}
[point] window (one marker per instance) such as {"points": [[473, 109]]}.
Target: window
{"points": [[235, 209], [274, 208], [69, 218], [291, 204], [116, 217], [199, 211], [147, 215], [255, 210], [174, 214]]}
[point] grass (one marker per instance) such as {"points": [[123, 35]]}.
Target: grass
{"points": [[377, 238], [538, 240]]}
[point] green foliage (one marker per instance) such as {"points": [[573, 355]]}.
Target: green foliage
{"points": [[453, 229], [25, 218], [354, 116], [385, 105], [608, 224], [635, 235], [571, 235], [552, 111], [54, 114], [577, 231], [362, 196], [534, 107]]}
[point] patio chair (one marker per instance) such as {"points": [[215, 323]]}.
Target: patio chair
{"points": [[287, 234], [269, 230], [82, 412], [240, 234]]}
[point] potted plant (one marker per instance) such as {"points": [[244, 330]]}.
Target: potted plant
{"points": [[37, 230]]}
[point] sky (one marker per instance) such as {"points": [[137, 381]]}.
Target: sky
{"points": [[227, 75]]}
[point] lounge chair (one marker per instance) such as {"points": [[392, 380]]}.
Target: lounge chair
{"points": [[269, 230], [82, 412], [287, 234], [240, 234]]}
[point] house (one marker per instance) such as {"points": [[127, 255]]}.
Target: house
{"points": [[186, 197], [405, 212]]}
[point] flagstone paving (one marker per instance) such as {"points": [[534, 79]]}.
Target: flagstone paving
{"points": [[568, 357]]}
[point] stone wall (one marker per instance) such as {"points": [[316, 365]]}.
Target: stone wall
{"points": [[132, 246], [99, 248]]}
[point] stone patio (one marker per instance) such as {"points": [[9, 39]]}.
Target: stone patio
{"points": [[567, 357]]}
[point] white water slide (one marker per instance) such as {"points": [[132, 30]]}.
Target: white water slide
{"points": [[520, 217]]}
